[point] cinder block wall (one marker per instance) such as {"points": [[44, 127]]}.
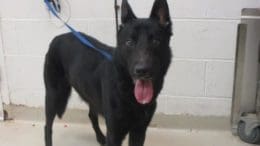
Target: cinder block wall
{"points": [[200, 79]]}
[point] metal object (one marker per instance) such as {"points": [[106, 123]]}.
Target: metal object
{"points": [[116, 7], [245, 117]]}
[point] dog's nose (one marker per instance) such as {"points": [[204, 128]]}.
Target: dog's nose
{"points": [[141, 70]]}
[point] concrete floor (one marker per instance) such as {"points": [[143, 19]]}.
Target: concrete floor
{"points": [[25, 128], [28, 133]]}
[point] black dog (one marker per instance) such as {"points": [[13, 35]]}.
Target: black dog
{"points": [[123, 90]]}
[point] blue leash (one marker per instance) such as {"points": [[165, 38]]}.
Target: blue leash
{"points": [[78, 35]]}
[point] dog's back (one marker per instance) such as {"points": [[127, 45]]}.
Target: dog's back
{"points": [[66, 47]]}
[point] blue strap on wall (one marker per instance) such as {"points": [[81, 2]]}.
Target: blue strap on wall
{"points": [[78, 35]]}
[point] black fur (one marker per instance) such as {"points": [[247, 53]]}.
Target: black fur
{"points": [[143, 52]]}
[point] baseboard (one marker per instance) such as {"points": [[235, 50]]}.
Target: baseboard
{"points": [[22, 113]]}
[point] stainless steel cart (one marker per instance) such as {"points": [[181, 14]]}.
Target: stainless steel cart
{"points": [[245, 117]]}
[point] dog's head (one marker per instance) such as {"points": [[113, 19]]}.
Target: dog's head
{"points": [[143, 48]]}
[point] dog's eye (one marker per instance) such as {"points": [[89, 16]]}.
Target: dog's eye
{"points": [[156, 42], [129, 43]]}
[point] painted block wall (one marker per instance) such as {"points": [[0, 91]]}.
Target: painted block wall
{"points": [[200, 78]]}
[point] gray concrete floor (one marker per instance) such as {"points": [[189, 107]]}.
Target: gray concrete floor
{"points": [[29, 133], [75, 130]]}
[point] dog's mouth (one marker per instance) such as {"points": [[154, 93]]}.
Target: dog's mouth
{"points": [[143, 90]]}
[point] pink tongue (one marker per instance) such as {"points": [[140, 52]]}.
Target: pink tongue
{"points": [[143, 91]]}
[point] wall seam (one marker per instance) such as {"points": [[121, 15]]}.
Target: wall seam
{"points": [[5, 94]]}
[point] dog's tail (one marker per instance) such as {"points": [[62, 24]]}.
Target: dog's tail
{"points": [[57, 85]]}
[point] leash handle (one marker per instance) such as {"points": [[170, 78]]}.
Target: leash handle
{"points": [[77, 34], [56, 4]]}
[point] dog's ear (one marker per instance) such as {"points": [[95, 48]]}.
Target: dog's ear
{"points": [[127, 13], [160, 12]]}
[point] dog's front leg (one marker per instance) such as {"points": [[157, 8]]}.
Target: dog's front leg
{"points": [[116, 132], [137, 136], [138, 131]]}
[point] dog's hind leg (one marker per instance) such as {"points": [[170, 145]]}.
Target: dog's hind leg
{"points": [[57, 93], [50, 113], [56, 101], [94, 120]]}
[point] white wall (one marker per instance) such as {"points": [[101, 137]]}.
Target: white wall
{"points": [[200, 78]]}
